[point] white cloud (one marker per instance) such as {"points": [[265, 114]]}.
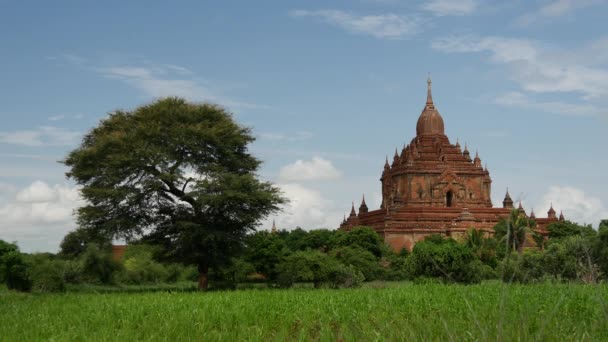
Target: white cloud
{"points": [[384, 26], [554, 9], [38, 216], [315, 169], [577, 206], [298, 136], [520, 100], [536, 67], [65, 117], [307, 209], [450, 7], [41, 136], [155, 80], [37, 192]]}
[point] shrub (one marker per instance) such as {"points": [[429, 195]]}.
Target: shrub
{"points": [[48, 276], [361, 259], [442, 258], [98, 266], [345, 276], [364, 237], [524, 268], [306, 266], [16, 271], [73, 272]]}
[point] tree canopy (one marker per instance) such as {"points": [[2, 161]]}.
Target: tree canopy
{"points": [[176, 173]]}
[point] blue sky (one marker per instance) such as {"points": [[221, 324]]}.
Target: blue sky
{"points": [[329, 88]]}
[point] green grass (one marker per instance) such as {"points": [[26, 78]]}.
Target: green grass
{"points": [[490, 311]]}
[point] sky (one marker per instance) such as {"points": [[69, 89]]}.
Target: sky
{"points": [[329, 88]]}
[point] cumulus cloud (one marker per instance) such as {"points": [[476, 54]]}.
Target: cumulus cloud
{"points": [[576, 204], [315, 169], [554, 9], [307, 208], [41, 136], [537, 67], [383, 26], [450, 7], [39, 215]]}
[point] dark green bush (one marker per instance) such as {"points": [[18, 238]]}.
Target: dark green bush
{"points": [[344, 276], [48, 276], [443, 258], [98, 266], [362, 260], [16, 271], [527, 267]]}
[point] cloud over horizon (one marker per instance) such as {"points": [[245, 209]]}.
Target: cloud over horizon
{"points": [[382, 26]]}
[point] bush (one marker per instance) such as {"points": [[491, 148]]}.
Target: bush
{"points": [[345, 276], [306, 266], [16, 271], [364, 237], [73, 272], [396, 267], [98, 266], [48, 277], [442, 258], [141, 269], [362, 260], [527, 267]]}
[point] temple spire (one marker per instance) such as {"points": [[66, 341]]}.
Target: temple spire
{"points": [[352, 211], [274, 228], [551, 212], [363, 207], [507, 202], [429, 95]]}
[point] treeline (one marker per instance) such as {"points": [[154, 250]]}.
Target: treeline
{"points": [[327, 258]]}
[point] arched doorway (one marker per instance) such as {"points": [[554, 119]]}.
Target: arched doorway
{"points": [[448, 198]]}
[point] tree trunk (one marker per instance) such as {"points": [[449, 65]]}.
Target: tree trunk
{"points": [[203, 279]]}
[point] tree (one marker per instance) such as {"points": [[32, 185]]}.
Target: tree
{"points": [[512, 230], [265, 251], [564, 229], [444, 258], [361, 259], [364, 237], [310, 265], [177, 174], [75, 243]]}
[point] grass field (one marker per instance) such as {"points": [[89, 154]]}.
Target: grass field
{"points": [[404, 311]]}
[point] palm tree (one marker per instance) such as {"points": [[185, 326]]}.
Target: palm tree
{"points": [[513, 230]]}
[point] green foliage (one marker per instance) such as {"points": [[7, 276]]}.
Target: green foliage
{"points": [[5, 248], [75, 243], [135, 169], [98, 266], [564, 229], [306, 266], [442, 258], [345, 276], [364, 237], [489, 311], [512, 231], [265, 251], [526, 267], [16, 271], [360, 259], [48, 276]]}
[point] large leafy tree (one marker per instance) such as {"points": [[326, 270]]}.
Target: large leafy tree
{"points": [[176, 173]]}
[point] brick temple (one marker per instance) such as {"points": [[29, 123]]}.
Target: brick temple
{"points": [[435, 187]]}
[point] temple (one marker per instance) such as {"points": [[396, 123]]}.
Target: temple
{"points": [[435, 187]]}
